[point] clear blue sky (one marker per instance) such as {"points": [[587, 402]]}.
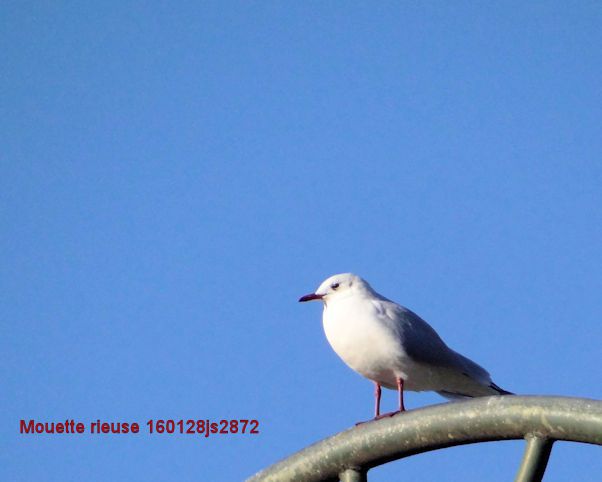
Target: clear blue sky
{"points": [[176, 175]]}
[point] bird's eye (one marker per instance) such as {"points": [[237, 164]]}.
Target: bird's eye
{"points": [[334, 286]]}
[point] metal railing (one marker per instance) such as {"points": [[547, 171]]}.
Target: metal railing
{"points": [[541, 421]]}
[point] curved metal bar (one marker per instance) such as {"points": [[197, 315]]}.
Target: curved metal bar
{"points": [[352, 475], [535, 459], [479, 420]]}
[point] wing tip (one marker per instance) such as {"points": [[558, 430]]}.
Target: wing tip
{"points": [[500, 390]]}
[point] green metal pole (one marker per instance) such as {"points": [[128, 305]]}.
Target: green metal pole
{"points": [[435, 427], [535, 460], [353, 475]]}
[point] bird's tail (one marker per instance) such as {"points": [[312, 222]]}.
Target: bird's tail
{"points": [[463, 396]]}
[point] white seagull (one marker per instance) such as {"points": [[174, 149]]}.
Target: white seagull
{"points": [[392, 346]]}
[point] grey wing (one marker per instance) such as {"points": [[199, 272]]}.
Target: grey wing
{"points": [[422, 343]]}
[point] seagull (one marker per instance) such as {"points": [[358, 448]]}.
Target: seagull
{"points": [[392, 346]]}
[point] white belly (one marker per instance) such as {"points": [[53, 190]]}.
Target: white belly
{"points": [[368, 347], [365, 346]]}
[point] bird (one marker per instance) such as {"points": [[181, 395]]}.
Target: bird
{"points": [[392, 346]]}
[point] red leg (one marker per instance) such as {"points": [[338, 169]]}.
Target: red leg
{"points": [[377, 392], [400, 392]]}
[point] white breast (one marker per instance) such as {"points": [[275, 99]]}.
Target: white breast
{"points": [[366, 345]]}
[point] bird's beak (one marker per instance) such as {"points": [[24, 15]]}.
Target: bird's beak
{"points": [[310, 297]]}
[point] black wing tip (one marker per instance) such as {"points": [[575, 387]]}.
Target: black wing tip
{"points": [[500, 390]]}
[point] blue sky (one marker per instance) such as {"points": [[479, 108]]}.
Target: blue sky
{"points": [[176, 175]]}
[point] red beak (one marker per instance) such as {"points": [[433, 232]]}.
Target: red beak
{"points": [[310, 297]]}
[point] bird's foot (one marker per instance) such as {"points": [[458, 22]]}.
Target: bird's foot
{"points": [[382, 415], [388, 414]]}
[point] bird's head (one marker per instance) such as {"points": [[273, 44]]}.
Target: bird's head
{"points": [[336, 287]]}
